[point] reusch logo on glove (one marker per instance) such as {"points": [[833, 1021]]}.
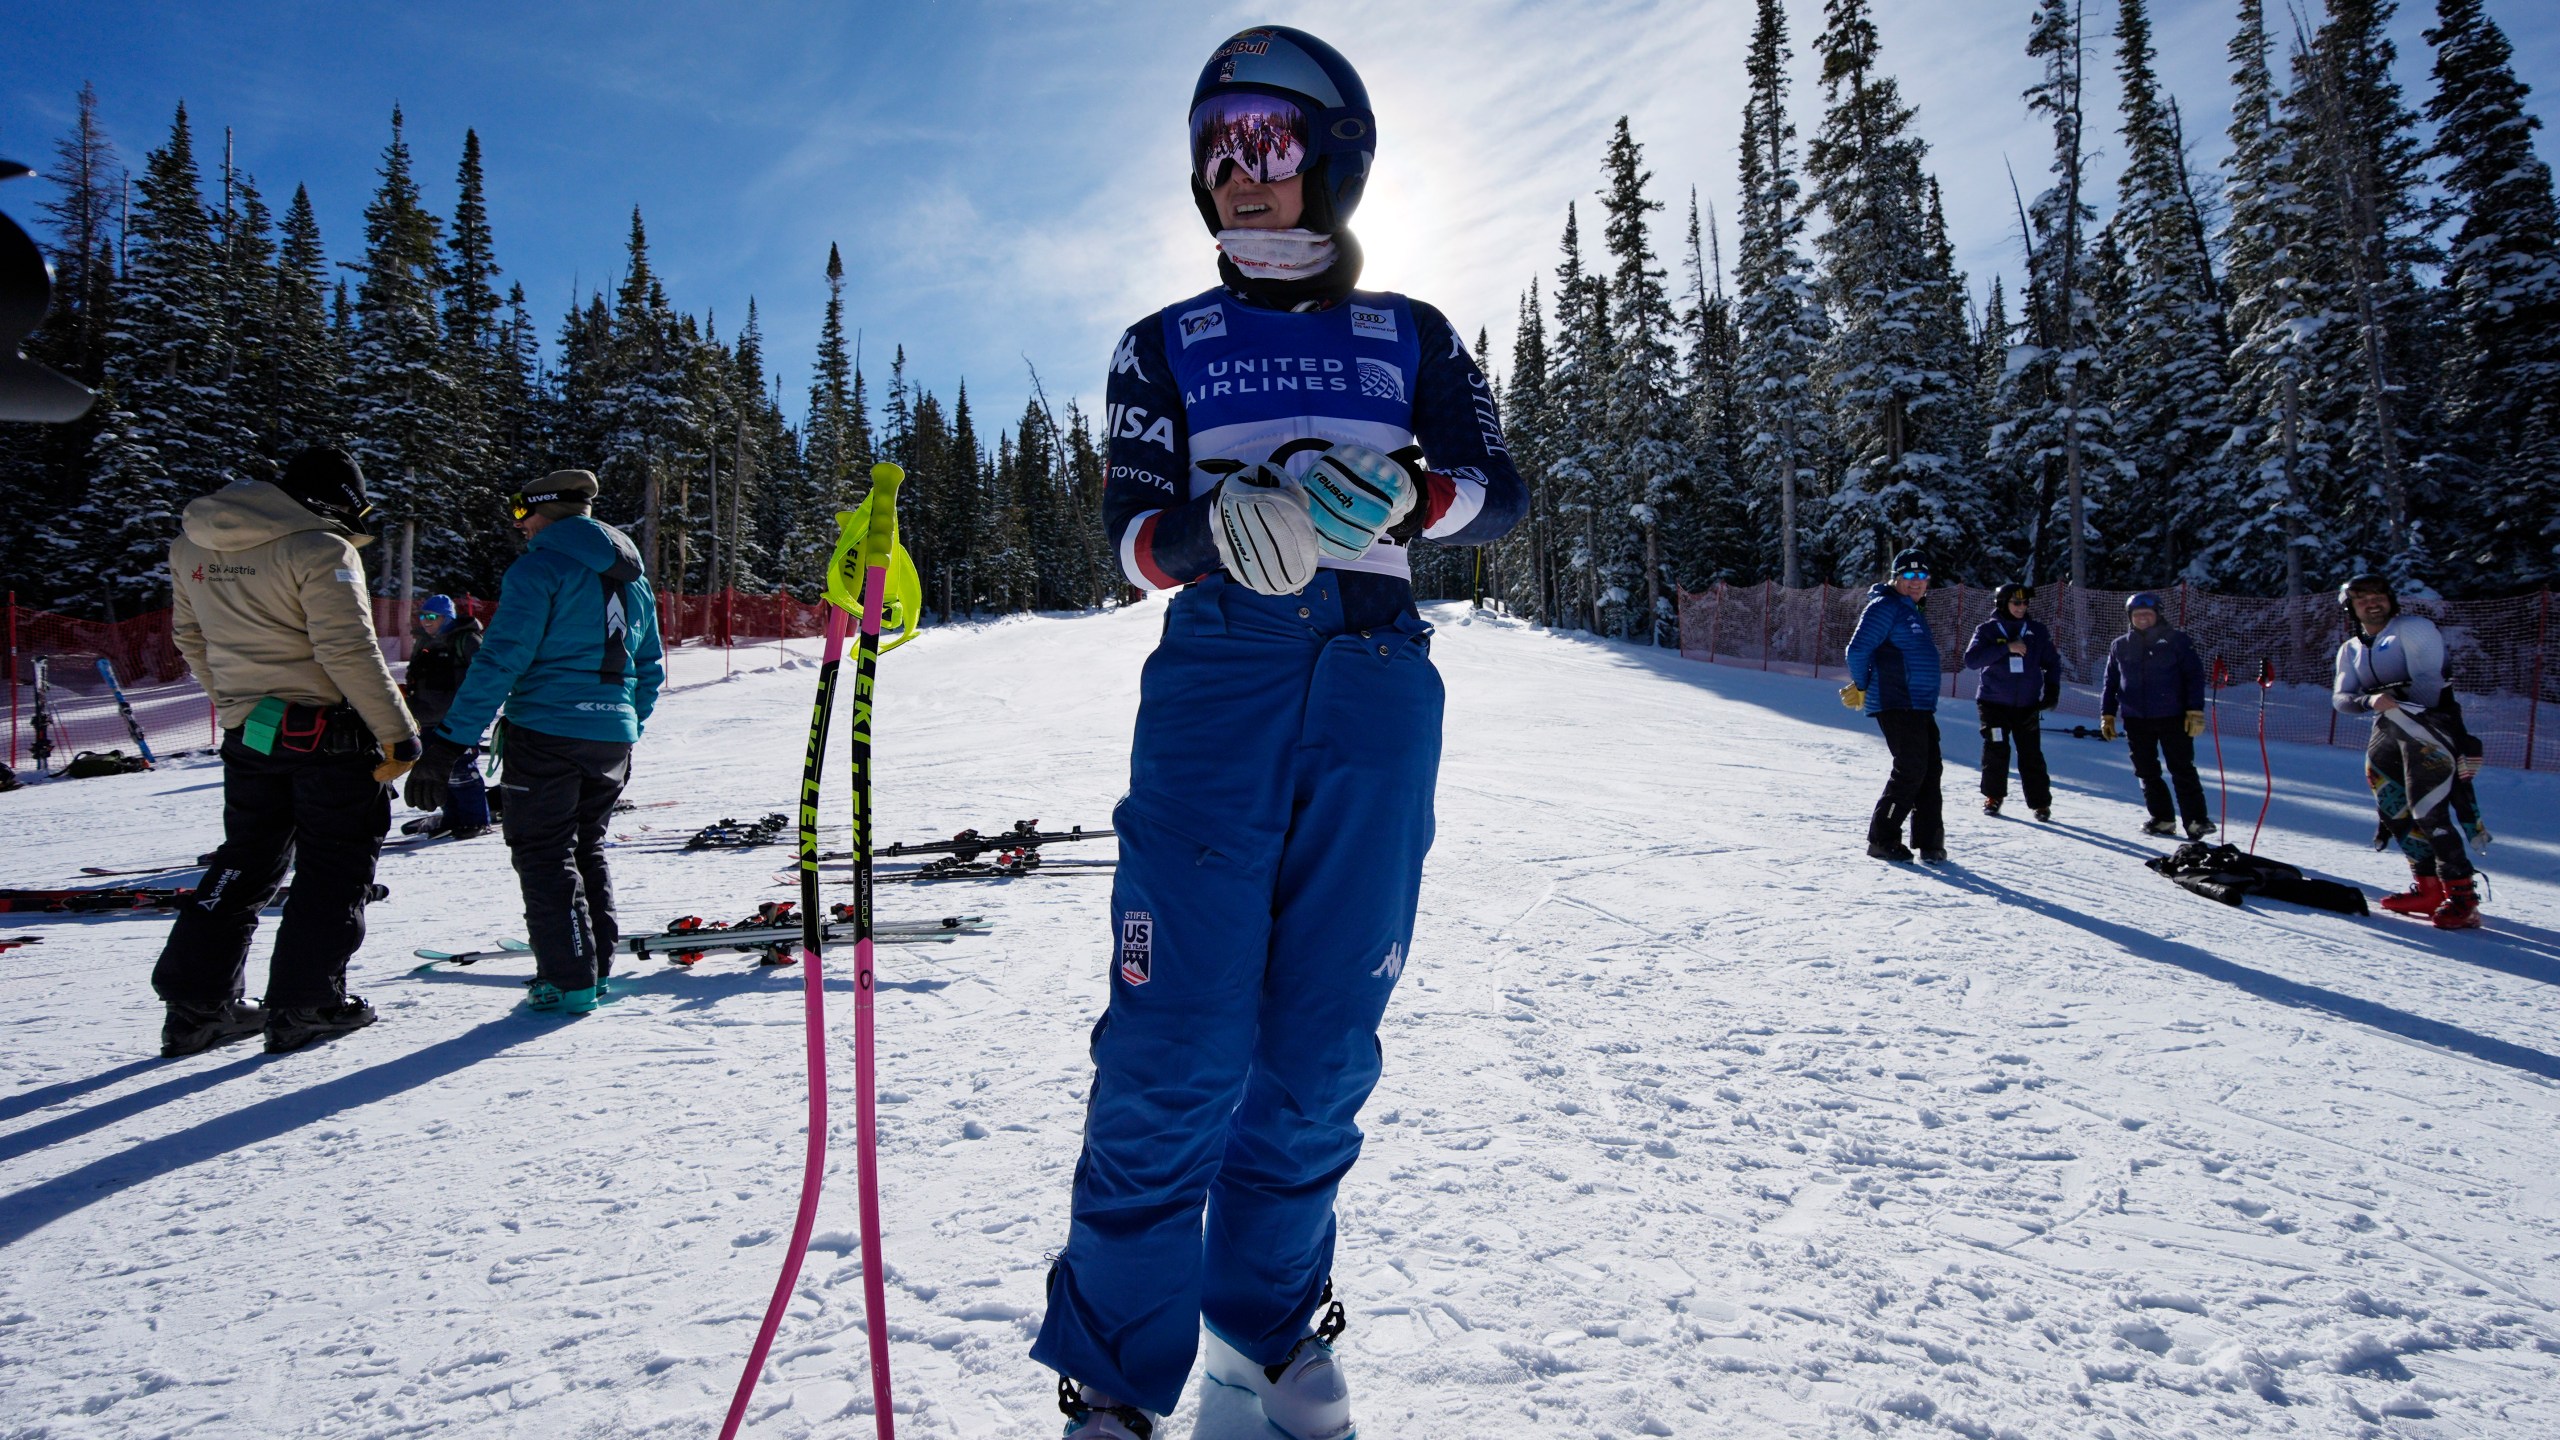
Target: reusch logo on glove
{"points": [[1137, 946]]}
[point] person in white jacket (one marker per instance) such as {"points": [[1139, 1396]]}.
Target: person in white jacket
{"points": [[2392, 667]]}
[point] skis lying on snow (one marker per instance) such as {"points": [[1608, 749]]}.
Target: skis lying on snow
{"points": [[172, 867], [124, 897], [969, 844], [781, 930]]}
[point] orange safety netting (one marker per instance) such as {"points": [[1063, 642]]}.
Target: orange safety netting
{"points": [[174, 712], [2504, 654]]}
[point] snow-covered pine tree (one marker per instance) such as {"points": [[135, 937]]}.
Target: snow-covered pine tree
{"points": [[171, 428], [650, 426], [2272, 526], [2055, 419], [2362, 176], [1893, 381], [1578, 452], [307, 368], [2501, 377], [1650, 463], [1529, 552], [839, 434], [478, 361], [44, 469], [1711, 533], [401, 392], [249, 295], [2171, 341], [1783, 329]]}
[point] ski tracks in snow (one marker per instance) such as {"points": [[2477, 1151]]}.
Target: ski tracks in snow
{"points": [[1695, 1121]]}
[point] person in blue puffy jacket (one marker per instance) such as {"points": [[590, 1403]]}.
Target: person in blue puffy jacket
{"points": [[1276, 443], [574, 656], [2155, 680], [2021, 679], [1893, 676]]}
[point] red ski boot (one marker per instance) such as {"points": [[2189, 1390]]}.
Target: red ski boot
{"points": [[2425, 896], [2461, 908]]}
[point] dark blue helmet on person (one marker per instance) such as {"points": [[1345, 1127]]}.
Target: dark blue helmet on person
{"points": [[1329, 139], [2141, 600]]}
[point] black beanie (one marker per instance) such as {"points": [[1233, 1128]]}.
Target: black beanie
{"points": [[329, 484]]}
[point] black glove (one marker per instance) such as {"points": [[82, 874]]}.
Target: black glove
{"points": [[433, 772]]}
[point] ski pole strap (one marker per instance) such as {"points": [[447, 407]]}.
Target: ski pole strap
{"points": [[867, 537], [258, 732]]}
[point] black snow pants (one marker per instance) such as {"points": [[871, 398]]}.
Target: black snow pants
{"points": [[560, 795], [2409, 762], [319, 812], [2018, 727], [2153, 741], [1911, 791]]}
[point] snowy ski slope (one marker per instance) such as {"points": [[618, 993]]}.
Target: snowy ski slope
{"points": [[1696, 1122]]}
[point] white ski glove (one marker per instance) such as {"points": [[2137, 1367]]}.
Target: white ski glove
{"points": [[1264, 536], [1353, 494]]}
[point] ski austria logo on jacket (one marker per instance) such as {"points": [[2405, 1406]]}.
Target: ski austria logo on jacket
{"points": [[1137, 945]]}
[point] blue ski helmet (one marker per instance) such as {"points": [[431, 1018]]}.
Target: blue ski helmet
{"points": [[1295, 66], [2143, 600]]}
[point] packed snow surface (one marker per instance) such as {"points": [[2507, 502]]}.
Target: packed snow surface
{"points": [[1696, 1122]]}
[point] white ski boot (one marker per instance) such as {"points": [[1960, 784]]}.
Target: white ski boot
{"points": [[1304, 1397], [1092, 1415]]}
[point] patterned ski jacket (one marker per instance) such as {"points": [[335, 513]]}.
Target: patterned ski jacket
{"points": [[574, 648], [2409, 653], [1206, 387], [1893, 655]]}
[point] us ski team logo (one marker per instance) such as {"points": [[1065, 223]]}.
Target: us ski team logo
{"points": [[1380, 380], [1209, 322], [1137, 945]]}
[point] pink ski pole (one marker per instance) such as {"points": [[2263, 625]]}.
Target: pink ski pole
{"points": [[814, 1007]]}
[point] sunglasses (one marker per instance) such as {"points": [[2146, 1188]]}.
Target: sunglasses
{"points": [[1912, 575], [1263, 137]]}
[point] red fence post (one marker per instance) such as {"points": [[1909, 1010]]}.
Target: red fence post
{"points": [[2533, 691], [1765, 587], [1715, 627], [1821, 622], [14, 682]]}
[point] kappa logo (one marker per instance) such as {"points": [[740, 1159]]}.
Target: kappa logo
{"points": [[1375, 322], [1209, 322], [1137, 946], [1124, 360], [1391, 968], [1380, 380]]}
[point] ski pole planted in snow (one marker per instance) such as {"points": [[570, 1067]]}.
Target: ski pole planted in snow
{"points": [[889, 589], [2266, 684], [2220, 678]]}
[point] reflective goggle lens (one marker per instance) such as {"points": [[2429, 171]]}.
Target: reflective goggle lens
{"points": [[516, 505], [1912, 575], [1263, 136]]}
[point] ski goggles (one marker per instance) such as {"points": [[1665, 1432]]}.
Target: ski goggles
{"points": [[1263, 137], [521, 503], [1912, 572]]}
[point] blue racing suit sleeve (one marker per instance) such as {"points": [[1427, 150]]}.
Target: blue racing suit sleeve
{"points": [[1460, 431], [1161, 533], [524, 608]]}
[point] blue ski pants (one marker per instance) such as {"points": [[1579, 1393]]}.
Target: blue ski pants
{"points": [[1271, 845]]}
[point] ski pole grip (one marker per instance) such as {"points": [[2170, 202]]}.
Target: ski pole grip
{"points": [[880, 537]]}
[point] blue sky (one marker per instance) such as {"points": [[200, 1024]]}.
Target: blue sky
{"points": [[1007, 179]]}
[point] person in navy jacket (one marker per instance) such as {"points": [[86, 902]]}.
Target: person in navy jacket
{"points": [[2021, 679], [1893, 676], [2155, 680], [1276, 444]]}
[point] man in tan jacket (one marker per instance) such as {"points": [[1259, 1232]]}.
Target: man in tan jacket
{"points": [[272, 614]]}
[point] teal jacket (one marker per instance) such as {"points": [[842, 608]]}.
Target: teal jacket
{"points": [[574, 649]]}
